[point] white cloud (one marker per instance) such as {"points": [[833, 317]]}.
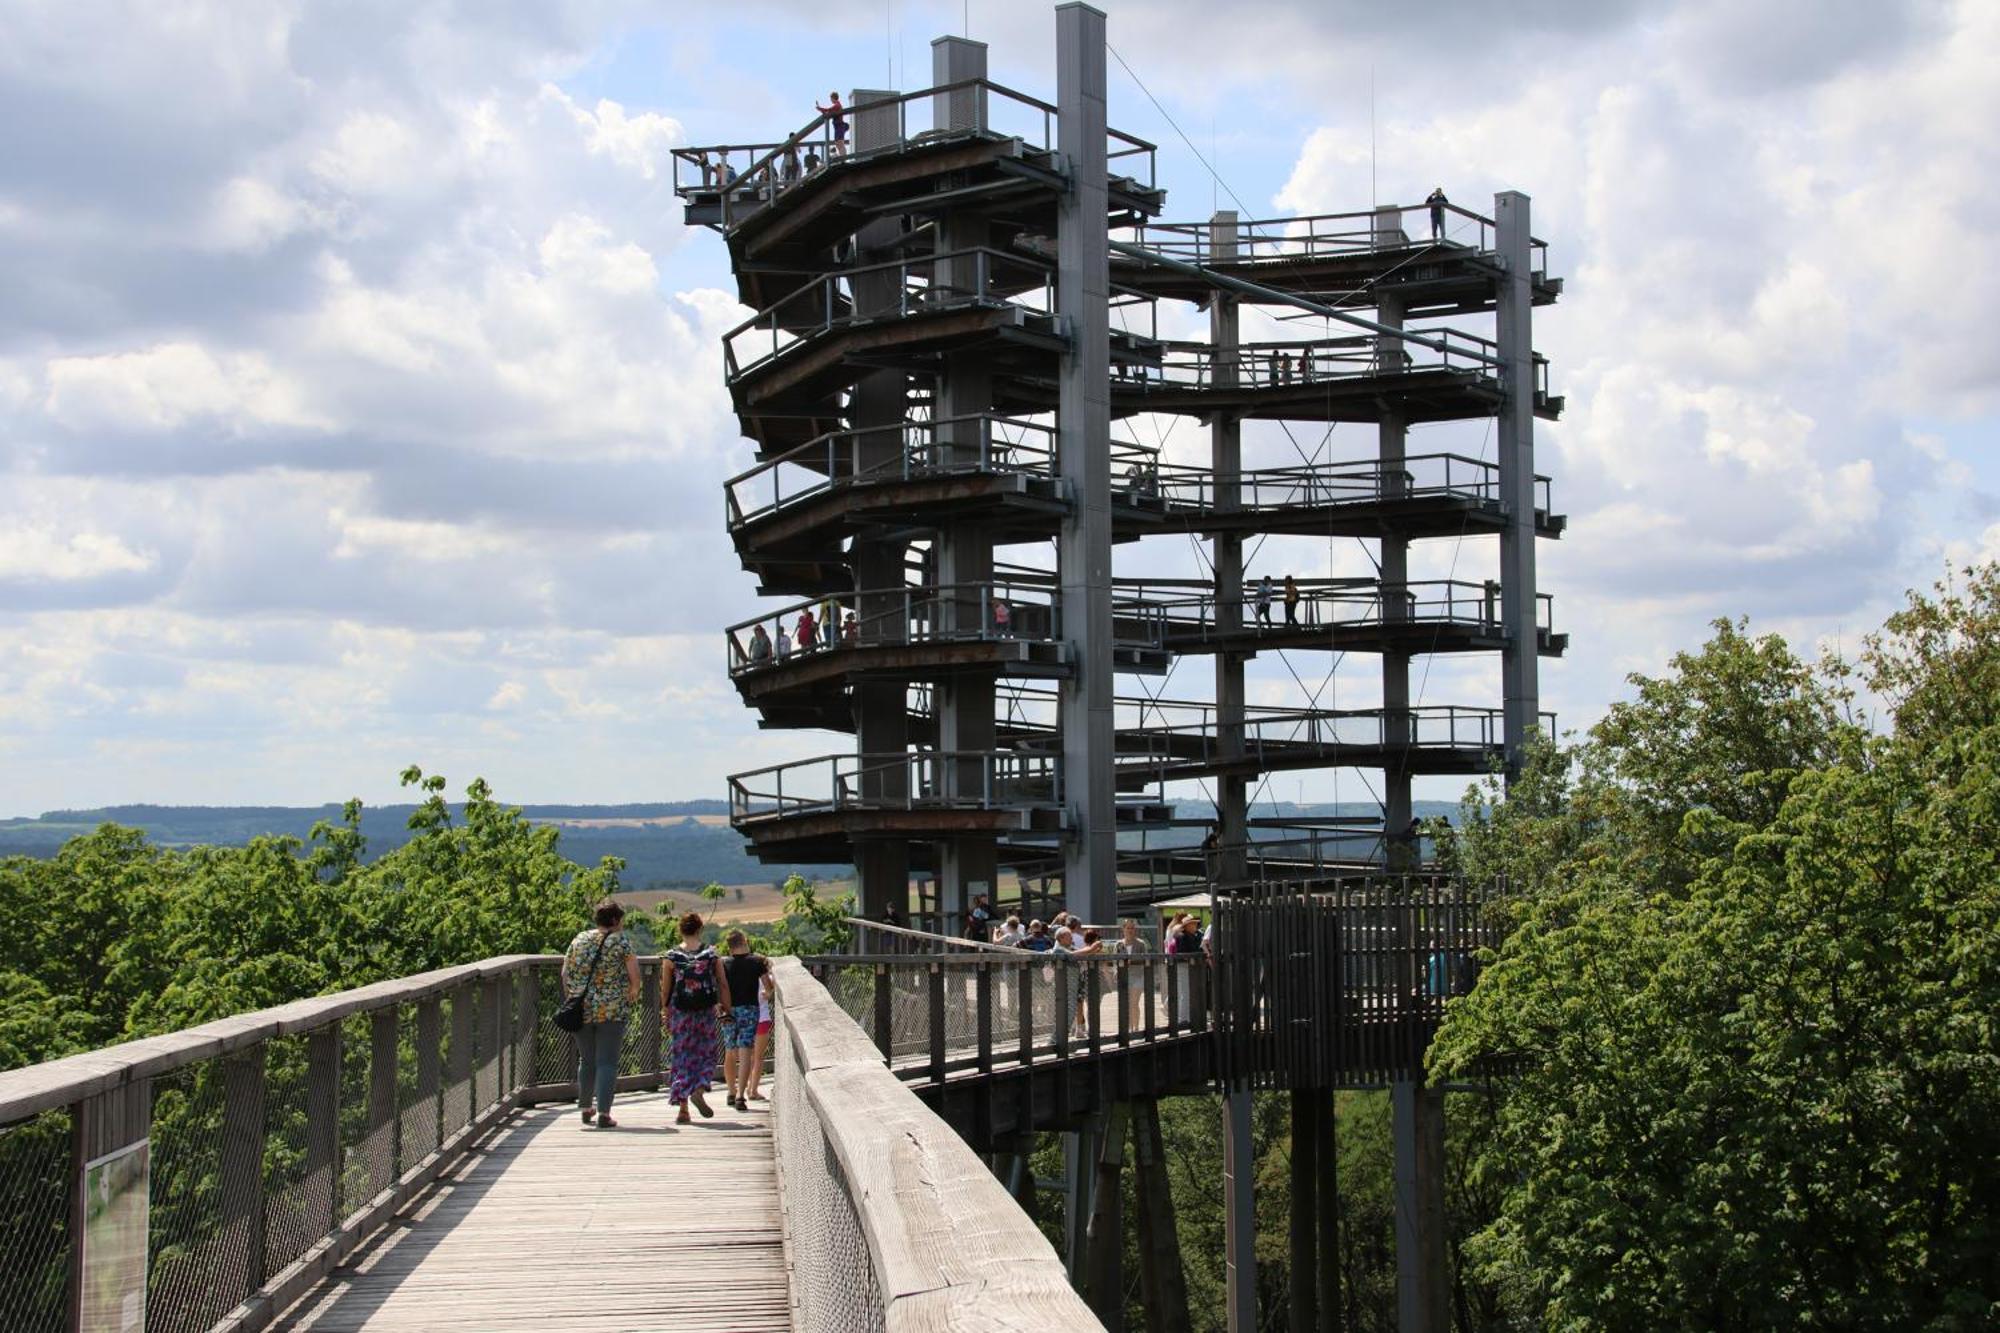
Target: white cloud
{"points": [[43, 553], [639, 143], [170, 385]]}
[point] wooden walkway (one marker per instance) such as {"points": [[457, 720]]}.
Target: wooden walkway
{"points": [[550, 1226]]}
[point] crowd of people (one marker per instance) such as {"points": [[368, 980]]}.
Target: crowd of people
{"points": [[716, 1007]]}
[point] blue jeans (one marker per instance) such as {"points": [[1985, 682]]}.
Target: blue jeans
{"points": [[597, 1046]]}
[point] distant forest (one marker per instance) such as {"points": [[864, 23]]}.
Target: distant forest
{"points": [[672, 849]]}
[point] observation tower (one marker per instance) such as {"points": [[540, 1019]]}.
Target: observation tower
{"points": [[958, 333]]}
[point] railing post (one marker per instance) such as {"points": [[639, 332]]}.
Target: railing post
{"points": [[459, 1069], [322, 1156], [240, 1269], [982, 986], [430, 1033], [1024, 1006], [382, 1118], [935, 983], [1062, 1014], [527, 999], [883, 1000], [649, 1023]]}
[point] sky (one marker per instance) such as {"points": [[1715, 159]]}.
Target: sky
{"points": [[361, 397]]}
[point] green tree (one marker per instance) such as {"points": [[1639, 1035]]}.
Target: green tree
{"points": [[1751, 1076]]}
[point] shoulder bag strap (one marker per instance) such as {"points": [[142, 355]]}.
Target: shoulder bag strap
{"points": [[590, 973]]}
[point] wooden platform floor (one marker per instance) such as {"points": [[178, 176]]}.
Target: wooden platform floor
{"points": [[647, 1228]]}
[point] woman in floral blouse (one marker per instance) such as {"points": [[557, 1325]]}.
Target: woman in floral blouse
{"points": [[600, 963]]}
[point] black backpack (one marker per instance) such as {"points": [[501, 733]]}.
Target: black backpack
{"points": [[695, 986]]}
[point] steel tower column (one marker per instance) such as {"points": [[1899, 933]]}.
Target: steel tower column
{"points": [[964, 703], [1083, 430], [1514, 331], [1226, 462], [1392, 435], [881, 708]]}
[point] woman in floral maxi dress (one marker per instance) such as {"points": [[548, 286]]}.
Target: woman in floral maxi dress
{"points": [[696, 997]]}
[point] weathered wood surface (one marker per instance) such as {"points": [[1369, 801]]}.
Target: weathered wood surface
{"points": [[950, 1247], [550, 1226]]}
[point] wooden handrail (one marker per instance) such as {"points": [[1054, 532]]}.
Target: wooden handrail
{"points": [[950, 1248], [53, 1083]]}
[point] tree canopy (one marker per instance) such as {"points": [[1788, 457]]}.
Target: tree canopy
{"points": [[116, 937], [1748, 1021]]}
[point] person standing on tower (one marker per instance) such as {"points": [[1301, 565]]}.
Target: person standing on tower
{"points": [[1263, 600], [838, 113], [1291, 600], [1437, 201]]}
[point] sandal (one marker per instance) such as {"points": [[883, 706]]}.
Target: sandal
{"points": [[754, 1097], [701, 1105], [684, 1118]]}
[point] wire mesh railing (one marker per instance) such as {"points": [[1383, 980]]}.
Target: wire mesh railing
{"points": [[35, 1242], [271, 1142]]}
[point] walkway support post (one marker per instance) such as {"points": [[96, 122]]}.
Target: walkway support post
{"points": [[1162, 1281], [1514, 333], [1239, 1212], [1423, 1285], [1305, 1208], [1332, 1312], [1105, 1286], [1083, 442]]}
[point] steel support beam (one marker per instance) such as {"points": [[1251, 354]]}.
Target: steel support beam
{"points": [[1226, 461], [1083, 429], [1514, 333]]}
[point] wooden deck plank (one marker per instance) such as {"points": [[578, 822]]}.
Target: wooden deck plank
{"points": [[551, 1226]]}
